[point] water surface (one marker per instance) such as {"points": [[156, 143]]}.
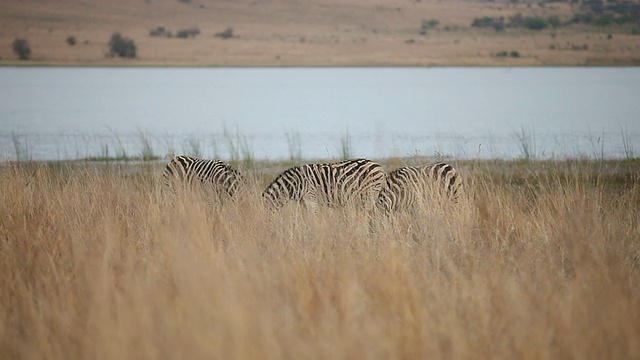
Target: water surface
{"points": [[276, 113]]}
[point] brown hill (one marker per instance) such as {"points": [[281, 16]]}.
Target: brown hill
{"points": [[305, 32]]}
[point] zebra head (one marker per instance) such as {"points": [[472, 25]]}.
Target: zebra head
{"points": [[291, 185], [409, 186], [384, 201]]}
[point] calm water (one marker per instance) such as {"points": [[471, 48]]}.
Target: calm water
{"points": [[276, 113]]}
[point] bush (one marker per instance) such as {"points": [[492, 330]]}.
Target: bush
{"points": [[487, 21], [160, 31], [516, 20], [513, 54], [121, 46], [21, 48], [482, 22], [535, 23], [71, 40], [428, 24], [597, 13], [585, 18], [187, 33], [531, 23], [554, 21], [228, 33], [498, 26], [604, 20]]}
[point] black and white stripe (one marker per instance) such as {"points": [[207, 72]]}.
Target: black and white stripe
{"points": [[217, 174], [356, 181], [409, 186]]}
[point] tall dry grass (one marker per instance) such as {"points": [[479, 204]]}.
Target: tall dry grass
{"points": [[99, 263]]}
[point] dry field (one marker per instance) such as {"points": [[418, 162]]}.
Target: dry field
{"points": [[310, 33], [542, 260]]}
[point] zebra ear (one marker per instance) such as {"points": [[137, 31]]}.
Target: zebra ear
{"points": [[170, 155]]}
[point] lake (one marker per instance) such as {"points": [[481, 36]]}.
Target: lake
{"points": [[49, 113]]}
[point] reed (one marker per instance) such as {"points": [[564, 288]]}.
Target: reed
{"points": [[540, 260]]}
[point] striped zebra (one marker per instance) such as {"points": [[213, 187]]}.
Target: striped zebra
{"points": [[349, 182], [407, 186], [213, 174]]}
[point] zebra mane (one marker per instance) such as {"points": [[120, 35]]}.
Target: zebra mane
{"points": [[292, 172]]}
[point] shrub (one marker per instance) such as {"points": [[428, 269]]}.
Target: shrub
{"points": [[597, 6], [21, 48], [604, 20], [624, 19], [585, 18], [187, 33], [71, 40], [160, 31], [482, 22], [121, 46], [598, 13], [535, 23], [427, 24], [554, 22], [498, 26], [516, 20], [513, 54], [487, 21], [228, 33], [531, 23]]}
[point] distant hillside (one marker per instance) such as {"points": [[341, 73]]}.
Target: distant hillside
{"points": [[315, 32]]}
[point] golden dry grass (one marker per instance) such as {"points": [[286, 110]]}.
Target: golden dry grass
{"points": [[308, 33], [541, 261]]}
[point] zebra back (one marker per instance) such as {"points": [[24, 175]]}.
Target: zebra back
{"points": [[334, 184], [191, 170], [406, 186]]}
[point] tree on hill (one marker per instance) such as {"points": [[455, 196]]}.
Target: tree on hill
{"points": [[121, 46], [21, 48]]}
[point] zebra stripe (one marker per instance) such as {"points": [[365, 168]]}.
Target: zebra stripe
{"points": [[407, 186], [356, 181], [191, 170]]}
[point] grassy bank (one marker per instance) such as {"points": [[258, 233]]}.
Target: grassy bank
{"points": [[541, 260]]}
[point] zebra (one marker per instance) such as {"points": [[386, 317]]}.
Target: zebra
{"points": [[405, 187], [339, 184], [213, 174]]}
